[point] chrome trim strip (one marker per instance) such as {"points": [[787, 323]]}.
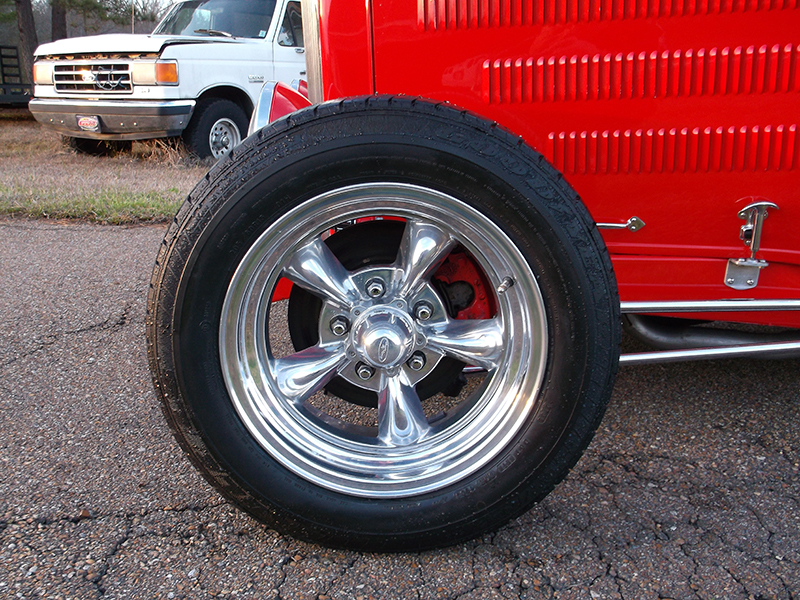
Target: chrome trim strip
{"points": [[775, 350], [313, 45], [705, 306], [263, 107]]}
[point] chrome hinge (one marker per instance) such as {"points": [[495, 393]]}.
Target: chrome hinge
{"points": [[742, 273]]}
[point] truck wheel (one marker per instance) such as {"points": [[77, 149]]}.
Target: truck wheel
{"points": [[217, 127], [97, 147], [249, 409]]}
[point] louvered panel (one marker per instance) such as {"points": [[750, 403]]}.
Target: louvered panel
{"points": [[734, 148], [437, 15], [690, 72]]}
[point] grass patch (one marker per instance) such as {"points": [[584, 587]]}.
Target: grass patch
{"points": [[42, 178], [115, 207]]}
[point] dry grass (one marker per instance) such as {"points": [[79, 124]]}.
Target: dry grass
{"points": [[42, 177]]}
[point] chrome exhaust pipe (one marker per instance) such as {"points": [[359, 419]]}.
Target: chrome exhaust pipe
{"points": [[679, 341]]}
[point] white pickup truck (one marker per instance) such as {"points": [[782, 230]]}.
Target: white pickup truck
{"points": [[198, 75]]}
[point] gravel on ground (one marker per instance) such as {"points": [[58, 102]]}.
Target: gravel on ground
{"points": [[690, 489]]}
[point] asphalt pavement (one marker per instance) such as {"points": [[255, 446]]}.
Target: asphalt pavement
{"points": [[689, 490]]}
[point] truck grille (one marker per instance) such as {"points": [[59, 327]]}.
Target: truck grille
{"points": [[93, 78]]}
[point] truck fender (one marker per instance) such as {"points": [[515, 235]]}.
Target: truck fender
{"points": [[276, 100]]}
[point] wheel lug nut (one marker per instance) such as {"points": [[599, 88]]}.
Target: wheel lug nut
{"points": [[376, 288], [364, 371], [339, 326], [416, 362], [423, 311]]}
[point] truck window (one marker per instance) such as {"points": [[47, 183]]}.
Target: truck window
{"points": [[236, 18], [291, 32]]}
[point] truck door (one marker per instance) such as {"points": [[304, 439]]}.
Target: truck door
{"points": [[290, 62]]}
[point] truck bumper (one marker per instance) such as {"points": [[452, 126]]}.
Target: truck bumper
{"points": [[113, 119]]}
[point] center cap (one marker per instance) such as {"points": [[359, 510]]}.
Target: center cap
{"points": [[384, 336]]}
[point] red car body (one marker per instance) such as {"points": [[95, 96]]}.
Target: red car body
{"points": [[408, 203], [678, 113]]}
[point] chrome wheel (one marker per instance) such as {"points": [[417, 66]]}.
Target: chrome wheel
{"points": [[382, 328], [223, 137]]}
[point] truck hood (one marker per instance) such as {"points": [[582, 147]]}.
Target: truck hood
{"points": [[117, 43]]}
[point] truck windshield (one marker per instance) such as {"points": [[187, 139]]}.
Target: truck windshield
{"points": [[224, 18]]}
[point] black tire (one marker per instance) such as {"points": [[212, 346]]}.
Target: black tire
{"points": [[98, 147], [217, 126], [424, 481]]}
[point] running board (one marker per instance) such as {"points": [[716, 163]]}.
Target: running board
{"points": [[784, 349]]}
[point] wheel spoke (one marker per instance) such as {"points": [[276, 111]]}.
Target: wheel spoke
{"points": [[401, 421], [315, 268], [422, 251], [475, 342], [301, 375]]}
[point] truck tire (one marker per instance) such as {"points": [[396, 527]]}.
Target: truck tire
{"points": [[217, 126], [410, 474]]}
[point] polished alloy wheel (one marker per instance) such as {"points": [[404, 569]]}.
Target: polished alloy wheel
{"points": [[382, 328]]}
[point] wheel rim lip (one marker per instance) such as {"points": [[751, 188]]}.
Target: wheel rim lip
{"points": [[220, 128], [338, 459]]}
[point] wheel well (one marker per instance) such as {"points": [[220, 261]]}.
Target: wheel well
{"points": [[230, 93]]}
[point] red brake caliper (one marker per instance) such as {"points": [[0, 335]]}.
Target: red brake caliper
{"points": [[460, 266]]}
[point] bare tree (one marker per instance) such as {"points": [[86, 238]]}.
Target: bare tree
{"points": [[27, 35], [150, 10], [58, 20]]}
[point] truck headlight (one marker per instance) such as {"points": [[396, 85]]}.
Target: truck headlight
{"points": [[159, 72], [43, 73]]}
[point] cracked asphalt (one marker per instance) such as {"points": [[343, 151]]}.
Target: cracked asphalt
{"points": [[689, 490]]}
